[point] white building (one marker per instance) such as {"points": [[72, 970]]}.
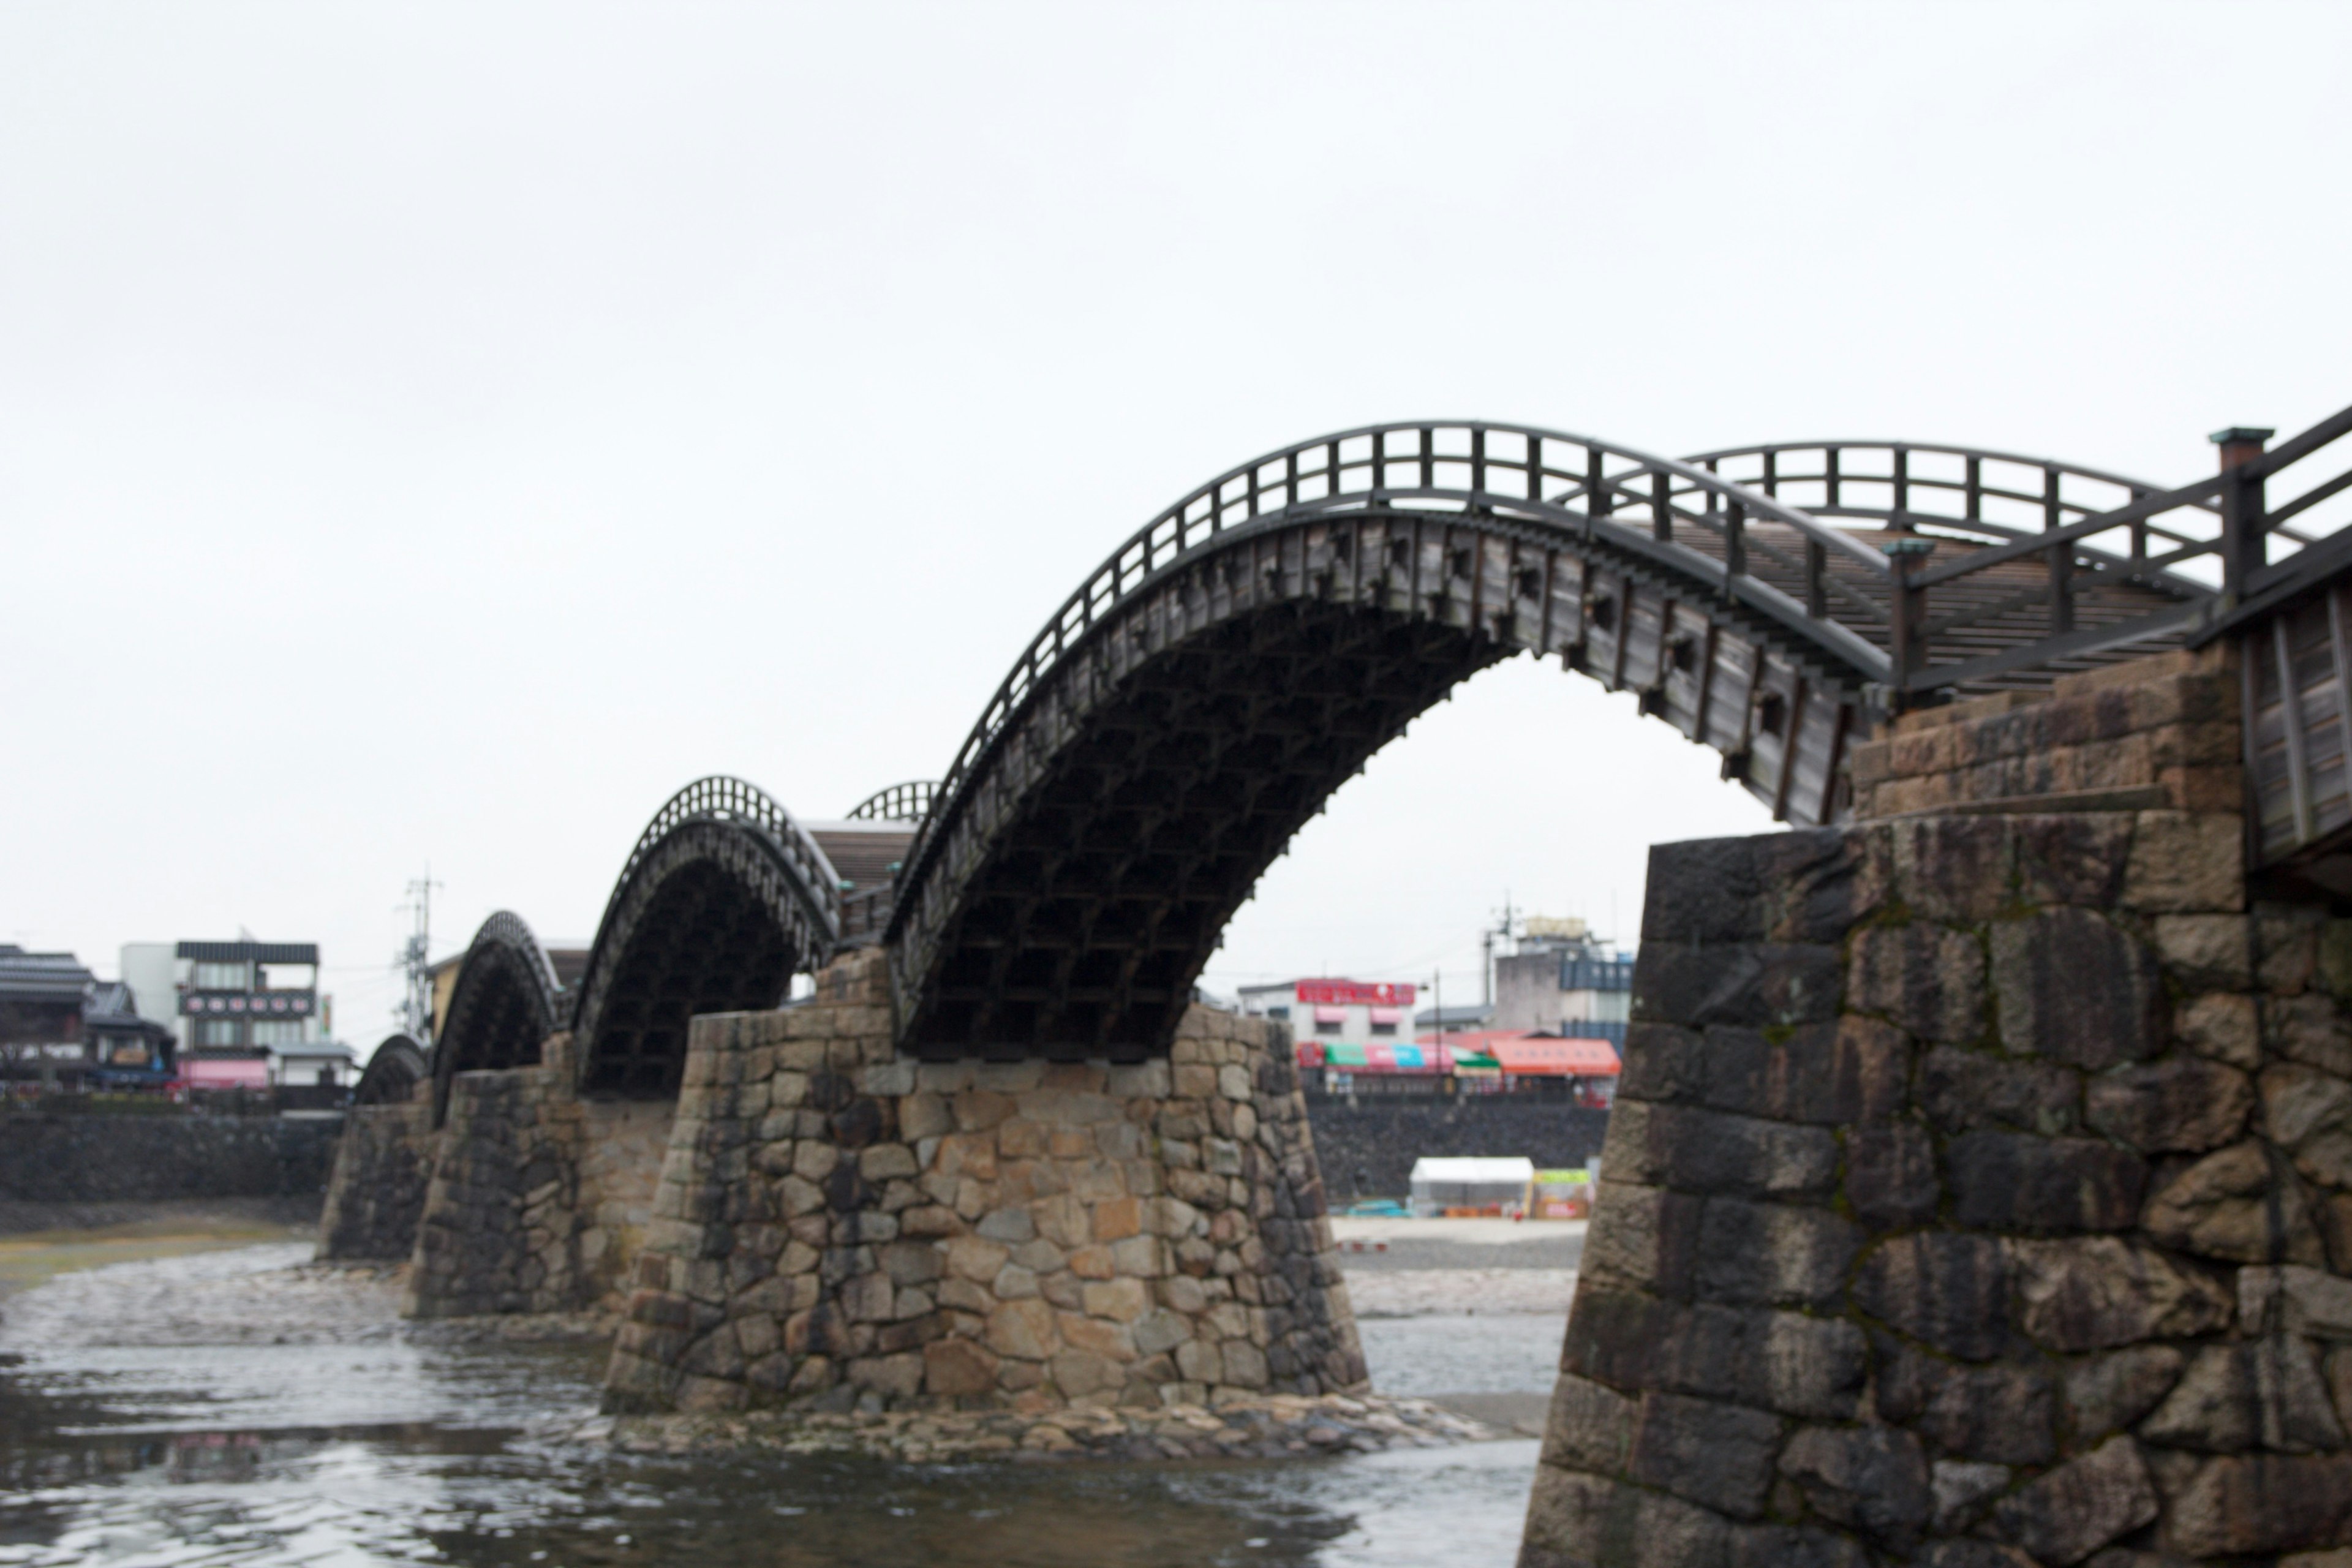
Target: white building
{"points": [[1337, 1012]]}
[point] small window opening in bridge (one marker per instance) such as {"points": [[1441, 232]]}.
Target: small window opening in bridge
{"points": [[1401, 551], [1531, 583], [1604, 613], [1686, 654], [804, 986], [1771, 713], [1461, 561]]}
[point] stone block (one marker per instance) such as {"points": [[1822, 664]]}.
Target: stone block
{"points": [[2310, 1029], [2072, 988], [1996, 1414], [1711, 1152], [1591, 1426], [2014, 1181], [1773, 1254], [1927, 979], [1756, 984], [1121, 1300], [2262, 1503], [2265, 1393], [1642, 1237], [1579, 1521], [1871, 1478], [1719, 1456], [2233, 1205], [2065, 1515], [2097, 1292], [2189, 861], [1890, 1176], [2179, 1106], [2109, 1392], [1946, 1290], [882, 1161], [2295, 1300], [2310, 1112], [1809, 1367], [1959, 1089], [1830, 1074], [957, 1368], [2072, 858], [2207, 950], [1022, 1329]]}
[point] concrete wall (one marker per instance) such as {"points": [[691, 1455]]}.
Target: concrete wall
{"points": [[1380, 1135], [93, 1157], [838, 1227], [1979, 1193]]}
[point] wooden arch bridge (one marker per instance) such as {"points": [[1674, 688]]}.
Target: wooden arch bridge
{"points": [[1209, 686]]}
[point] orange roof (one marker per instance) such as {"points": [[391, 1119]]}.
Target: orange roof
{"points": [[1549, 1054]]}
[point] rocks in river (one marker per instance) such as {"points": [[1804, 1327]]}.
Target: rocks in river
{"points": [[1261, 1427]]}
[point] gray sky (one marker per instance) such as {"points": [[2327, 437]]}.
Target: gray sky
{"points": [[440, 432]]}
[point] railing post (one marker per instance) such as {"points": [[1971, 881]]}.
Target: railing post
{"points": [[2241, 510], [1735, 539], [1662, 507], [1907, 616], [2062, 558]]}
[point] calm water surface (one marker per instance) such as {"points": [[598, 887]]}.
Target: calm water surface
{"points": [[218, 1409]]}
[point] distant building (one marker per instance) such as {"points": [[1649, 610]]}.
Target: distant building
{"points": [[1562, 981], [1337, 1012], [42, 999], [239, 1002], [63, 1028]]}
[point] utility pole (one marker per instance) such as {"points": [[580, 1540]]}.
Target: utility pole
{"points": [[1487, 944], [414, 961]]}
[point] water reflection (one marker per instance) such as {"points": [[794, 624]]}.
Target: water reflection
{"points": [[217, 1410]]}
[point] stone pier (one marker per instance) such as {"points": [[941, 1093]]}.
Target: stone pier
{"points": [[1979, 1193], [839, 1229]]}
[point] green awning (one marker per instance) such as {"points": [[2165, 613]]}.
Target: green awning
{"points": [[1475, 1061]]}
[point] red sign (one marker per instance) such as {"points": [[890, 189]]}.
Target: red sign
{"points": [[1352, 994]]}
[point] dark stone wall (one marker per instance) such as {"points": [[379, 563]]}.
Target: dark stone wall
{"points": [[1380, 1136], [383, 1167], [100, 1158], [1980, 1194]]}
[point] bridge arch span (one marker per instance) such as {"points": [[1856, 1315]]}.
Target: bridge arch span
{"points": [[393, 1073], [724, 898], [502, 1007], [1207, 688]]}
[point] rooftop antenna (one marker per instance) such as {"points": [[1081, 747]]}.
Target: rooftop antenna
{"points": [[1487, 944], [413, 960]]}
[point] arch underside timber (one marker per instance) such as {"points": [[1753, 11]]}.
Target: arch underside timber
{"points": [[1066, 903], [709, 919], [393, 1073], [502, 1007]]}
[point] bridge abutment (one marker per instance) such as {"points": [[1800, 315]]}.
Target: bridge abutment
{"points": [[1978, 1191], [839, 1228]]}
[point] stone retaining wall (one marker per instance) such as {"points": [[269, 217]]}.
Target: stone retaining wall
{"points": [[840, 1228], [2161, 732], [383, 1164], [1979, 1193], [539, 1198], [99, 1157]]}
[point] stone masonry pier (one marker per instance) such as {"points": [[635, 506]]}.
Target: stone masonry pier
{"points": [[1980, 1194], [841, 1229]]}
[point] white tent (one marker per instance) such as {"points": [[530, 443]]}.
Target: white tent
{"points": [[1442, 1183]]}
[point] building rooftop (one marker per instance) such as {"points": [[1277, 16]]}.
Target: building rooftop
{"points": [[42, 976], [249, 952]]}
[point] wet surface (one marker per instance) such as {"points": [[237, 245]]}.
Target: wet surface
{"points": [[229, 1408]]}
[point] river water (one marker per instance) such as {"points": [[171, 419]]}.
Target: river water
{"points": [[233, 1408]]}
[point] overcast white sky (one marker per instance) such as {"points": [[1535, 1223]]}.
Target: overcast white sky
{"points": [[438, 431]]}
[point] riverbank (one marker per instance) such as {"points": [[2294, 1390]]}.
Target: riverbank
{"points": [[39, 1241]]}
